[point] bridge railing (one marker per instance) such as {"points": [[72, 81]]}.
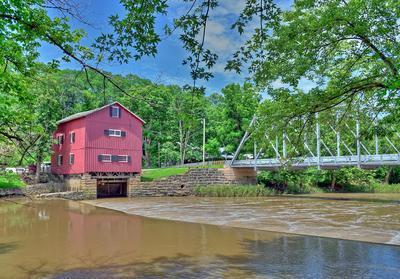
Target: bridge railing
{"points": [[322, 146]]}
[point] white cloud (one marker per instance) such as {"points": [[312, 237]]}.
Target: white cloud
{"points": [[227, 7], [216, 37]]}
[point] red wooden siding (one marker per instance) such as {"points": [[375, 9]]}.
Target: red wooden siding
{"points": [[77, 148], [91, 141]]}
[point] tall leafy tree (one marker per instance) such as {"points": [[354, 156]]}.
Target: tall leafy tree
{"points": [[341, 48]]}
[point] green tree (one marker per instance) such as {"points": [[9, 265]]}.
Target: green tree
{"points": [[342, 48], [230, 114]]}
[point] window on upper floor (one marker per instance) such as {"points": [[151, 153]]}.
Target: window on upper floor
{"points": [[114, 133], [115, 111], [71, 158], [59, 160], [60, 139], [108, 158], [105, 158], [123, 158], [72, 137]]}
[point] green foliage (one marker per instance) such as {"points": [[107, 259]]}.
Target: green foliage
{"points": [[293, 182], [353, 180], [234, 191], [373, 188], [344, 48], [9, 180], [228, 116], [154, 174]]}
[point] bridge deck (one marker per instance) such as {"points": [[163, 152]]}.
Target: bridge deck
{"points": [[328, 162]]}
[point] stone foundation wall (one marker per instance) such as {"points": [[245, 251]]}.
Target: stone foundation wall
{"points": [[177, 185], [185, 184], [83, 183]]}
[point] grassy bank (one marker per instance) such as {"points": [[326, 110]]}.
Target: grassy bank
{"points": [[9, 180], [154, 174], [234, 191], [346, 180], [374, 188]]}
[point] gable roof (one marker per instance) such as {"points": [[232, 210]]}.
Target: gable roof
{"points": [[86, 113]]}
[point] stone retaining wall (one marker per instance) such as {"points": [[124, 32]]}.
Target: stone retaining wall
{"points": [[35, 189], [185, 184]]}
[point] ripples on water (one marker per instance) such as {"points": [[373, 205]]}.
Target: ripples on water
{"points": [[64, 239], [354, 220]]}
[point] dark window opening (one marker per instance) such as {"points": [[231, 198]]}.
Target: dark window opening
{"points": [[115, 111], [59, 160], [105, 158], [107, 189], [72, 137], [114, 133], [114, 158], [60, 139]]}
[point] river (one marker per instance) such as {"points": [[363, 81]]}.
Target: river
{"points": [[66, 239]]}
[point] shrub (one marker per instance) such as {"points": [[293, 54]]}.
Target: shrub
{"points": [[293, 182], [10, 180], [234, 191]]}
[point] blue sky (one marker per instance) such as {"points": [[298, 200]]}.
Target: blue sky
{"points": [[166, 67]]}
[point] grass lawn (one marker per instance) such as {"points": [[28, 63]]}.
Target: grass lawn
{"points": [[152, 174], [10, 180]]}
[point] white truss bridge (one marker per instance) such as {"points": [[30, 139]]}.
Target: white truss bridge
{"points": [[355, 154]]}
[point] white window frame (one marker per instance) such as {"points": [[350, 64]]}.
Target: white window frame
{"points": [[114, 133], [70, 137], [59, 159], [112, 111], [69, 159], [106, 161], [59, 136], [126, 159]]}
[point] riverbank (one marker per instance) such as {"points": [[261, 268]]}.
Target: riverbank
{"points": [[345, 216], [367, 197], [32, 190]]}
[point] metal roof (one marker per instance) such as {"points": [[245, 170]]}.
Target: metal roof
{"points": [[86, 113]]}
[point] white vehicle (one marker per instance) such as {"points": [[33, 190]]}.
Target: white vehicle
{"points": [[248, 156], [18, 170], [227, 156]]}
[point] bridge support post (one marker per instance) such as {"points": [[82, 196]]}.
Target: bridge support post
{"points": [[376, 140], [337, 137], [318, 133], [244, 139], [255, 156], [284, 151], [358, 143], [243, 176]]}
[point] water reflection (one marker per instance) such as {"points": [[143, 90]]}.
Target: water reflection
{"points": [[78, 240]]}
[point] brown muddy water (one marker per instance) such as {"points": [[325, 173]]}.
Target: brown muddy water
{"points": [[345, 219], [66, 239]]}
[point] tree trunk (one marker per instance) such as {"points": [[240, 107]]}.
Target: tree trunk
{"points": [[181, 143], [147, 158], [387, 175], [159, 154], [333, 181], [38, 167]]}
